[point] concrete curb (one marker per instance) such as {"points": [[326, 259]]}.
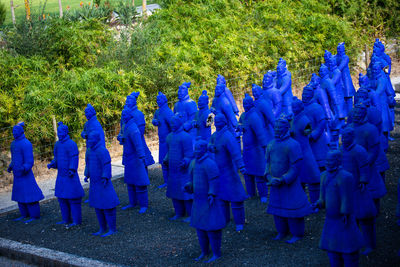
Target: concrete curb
{"points": [[45, 257]]}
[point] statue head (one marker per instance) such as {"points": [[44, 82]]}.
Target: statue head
{"points": [[268, 80], [297, 106], [341, 49], [281, 70], [379, 48], [332, 63], [376, 69], [327, 56], [62, 131], [203, 100], [348, 136], [363, 81], [221, 79], [281, 128], [315, 80], [248, 102], [177, 122], [131, 100], [18, 130], [126, 115], [362, 96], [359, 113], [200, 148], [282, 62], [307, 95], [219, 89], [333, 160], [257, 91], [161, 99], [323, 71], [183, 92], [220, 121], [93, 139], [89, 111]]}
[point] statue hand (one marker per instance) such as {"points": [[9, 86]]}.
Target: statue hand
{"points": [[345, 218], [362, 187], [155, 122], [243, 170], [316, 205], [84, 135], [184, 163], [9, 169], [276, 181], [86, 179], [212, 148], [210, 199], [71, 173], [195, 124], [188, 187], [104, 181]]}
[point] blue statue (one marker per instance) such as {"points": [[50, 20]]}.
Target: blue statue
{"points": [[162, 119], [342, 61], [179, 154], [340, 238], [221, 104], [375, 118], [25, 190], [102, 195], [138, 117], [284, 85], [336, 77], [321, 96], [367, 136], [203, 118], [228, 158], [228, 93], [318, 137], [207, 211], [382, 93], [68, 189], [133, 158], [187, 107], [92, 124], [355, 162], [301, 132], [264, 109], [271, 94], [288, 202], [255, 142]]}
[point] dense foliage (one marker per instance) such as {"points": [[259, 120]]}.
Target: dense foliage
{"points": [[57, 66], [2, 13]]}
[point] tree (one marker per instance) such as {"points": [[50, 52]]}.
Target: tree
{"points": [[12, 11], [60, 8]]}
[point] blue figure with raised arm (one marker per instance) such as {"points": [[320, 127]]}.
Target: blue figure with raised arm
{"points": [[187, 107], [301, 132], [342, 61], [133, 158], [162, 119], [203, 118], [179, 154], [355, 162], [340, 238], [255, 142], [367, 135], [102, 196], [288, 202], [207, 212], [221, 104], [138, 118], [25, 190], [336, 77], [228, 94], [318, 137], [228, 157], [284, 85], [264, 109], [68, 189], [321, 96], [271, 94]]}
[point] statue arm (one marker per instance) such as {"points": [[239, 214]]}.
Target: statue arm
{"points": [[28, 157], [105, 159], [295, 157], [231, 117], [136, 139], [213, 177], [234, 150], [74, 157], [344, 62], [374, 146], [346, 186]]}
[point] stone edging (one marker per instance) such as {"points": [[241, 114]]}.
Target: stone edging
{"points": [[44, 256]]}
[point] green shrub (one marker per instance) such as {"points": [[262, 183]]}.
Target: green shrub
{"points": [[2, 13]]}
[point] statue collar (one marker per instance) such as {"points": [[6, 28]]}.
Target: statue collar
{"points": [[202, 158], [185, 98], [350, 147], [22, 136], [65, 139]]}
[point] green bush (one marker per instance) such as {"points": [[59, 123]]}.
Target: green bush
{"points": [[2, 13]]}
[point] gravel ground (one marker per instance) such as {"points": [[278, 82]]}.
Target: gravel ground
{"points": [[12, 263], [152, 240]]}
